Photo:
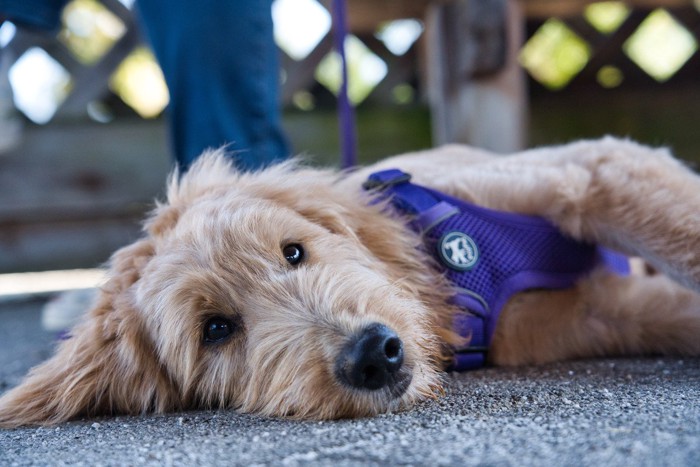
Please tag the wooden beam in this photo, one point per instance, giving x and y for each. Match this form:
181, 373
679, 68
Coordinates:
568, 8
364, 16
470, 102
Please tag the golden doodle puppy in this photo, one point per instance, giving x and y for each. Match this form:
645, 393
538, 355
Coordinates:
297, 292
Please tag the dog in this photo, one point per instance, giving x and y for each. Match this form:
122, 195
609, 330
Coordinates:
268, 292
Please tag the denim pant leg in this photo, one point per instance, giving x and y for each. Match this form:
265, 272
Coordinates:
221, 66
43, 14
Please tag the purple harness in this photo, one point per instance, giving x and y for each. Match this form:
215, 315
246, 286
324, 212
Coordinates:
489, 255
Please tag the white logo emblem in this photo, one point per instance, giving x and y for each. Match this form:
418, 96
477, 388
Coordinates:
458, 251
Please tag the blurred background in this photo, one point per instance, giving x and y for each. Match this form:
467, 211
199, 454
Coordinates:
83, 143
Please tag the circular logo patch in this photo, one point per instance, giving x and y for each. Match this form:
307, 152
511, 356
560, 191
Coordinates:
458, 251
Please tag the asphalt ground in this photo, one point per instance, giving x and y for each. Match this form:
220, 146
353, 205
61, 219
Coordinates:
626, 412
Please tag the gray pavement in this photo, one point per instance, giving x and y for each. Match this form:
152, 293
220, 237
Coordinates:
601, 412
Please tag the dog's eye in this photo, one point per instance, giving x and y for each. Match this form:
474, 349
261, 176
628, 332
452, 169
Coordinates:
293, 253
217, 329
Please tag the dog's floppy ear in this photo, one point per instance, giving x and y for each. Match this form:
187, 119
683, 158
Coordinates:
106, 366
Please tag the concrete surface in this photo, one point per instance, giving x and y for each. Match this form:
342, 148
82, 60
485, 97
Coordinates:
603, 412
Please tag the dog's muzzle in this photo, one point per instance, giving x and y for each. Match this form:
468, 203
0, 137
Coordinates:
372, 359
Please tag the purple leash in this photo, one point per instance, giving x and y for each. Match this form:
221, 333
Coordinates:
346, 113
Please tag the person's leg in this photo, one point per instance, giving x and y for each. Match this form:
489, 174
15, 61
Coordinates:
221, 66
42, 14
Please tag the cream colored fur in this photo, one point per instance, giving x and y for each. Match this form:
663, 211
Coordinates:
215, 248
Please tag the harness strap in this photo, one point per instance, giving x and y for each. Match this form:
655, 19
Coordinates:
488, 255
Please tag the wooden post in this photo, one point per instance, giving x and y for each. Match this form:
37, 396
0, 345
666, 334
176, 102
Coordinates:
476, 88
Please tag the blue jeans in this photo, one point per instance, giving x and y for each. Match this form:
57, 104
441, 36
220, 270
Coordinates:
221, 66
42, 14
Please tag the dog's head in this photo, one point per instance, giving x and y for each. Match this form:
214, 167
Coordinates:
278, 292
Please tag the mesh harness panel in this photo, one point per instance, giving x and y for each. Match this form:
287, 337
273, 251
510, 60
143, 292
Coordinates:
489, 255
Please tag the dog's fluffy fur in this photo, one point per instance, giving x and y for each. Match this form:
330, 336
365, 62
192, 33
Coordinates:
215, 249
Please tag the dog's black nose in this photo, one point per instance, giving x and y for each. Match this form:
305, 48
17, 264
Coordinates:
371, 358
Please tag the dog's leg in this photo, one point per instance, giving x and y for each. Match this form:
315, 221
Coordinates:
641, 201
605, 315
